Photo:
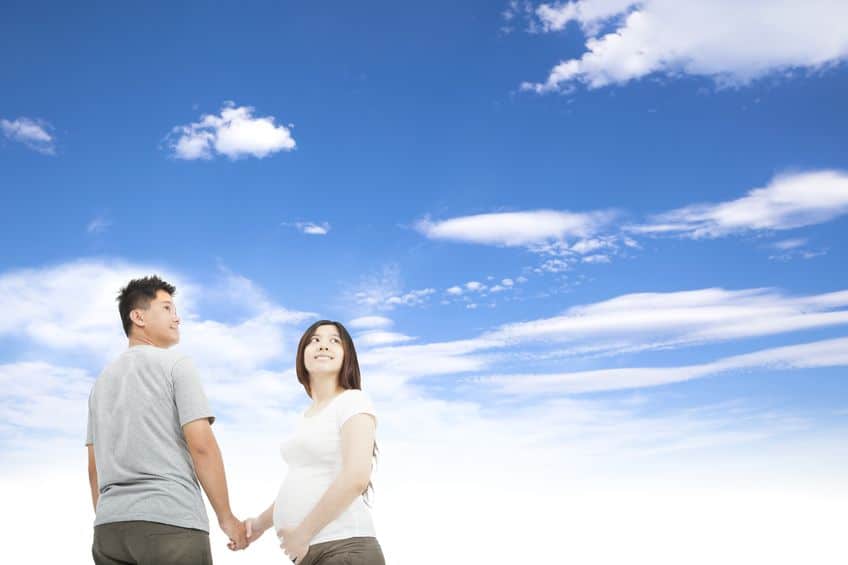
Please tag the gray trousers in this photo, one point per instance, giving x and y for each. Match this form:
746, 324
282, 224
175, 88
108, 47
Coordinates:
349, 551
149, 543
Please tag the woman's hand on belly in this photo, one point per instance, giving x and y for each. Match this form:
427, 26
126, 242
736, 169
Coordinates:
295, 543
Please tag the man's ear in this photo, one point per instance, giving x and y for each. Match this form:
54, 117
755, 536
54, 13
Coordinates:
137, 317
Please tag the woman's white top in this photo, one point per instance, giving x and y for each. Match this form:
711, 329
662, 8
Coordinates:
314, 458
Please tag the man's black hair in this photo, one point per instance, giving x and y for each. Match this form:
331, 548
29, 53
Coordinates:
138, 294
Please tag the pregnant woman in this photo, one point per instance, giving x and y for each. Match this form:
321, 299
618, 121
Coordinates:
320, 513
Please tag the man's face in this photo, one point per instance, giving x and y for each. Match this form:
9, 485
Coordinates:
160, 322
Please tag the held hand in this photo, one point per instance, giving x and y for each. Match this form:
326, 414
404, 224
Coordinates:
295, 544
253, 529
236, 532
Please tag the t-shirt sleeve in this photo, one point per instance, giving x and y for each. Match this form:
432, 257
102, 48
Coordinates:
351, 403
188, 393
89, 426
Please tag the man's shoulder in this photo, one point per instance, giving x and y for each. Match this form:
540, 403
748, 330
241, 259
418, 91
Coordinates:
164, 359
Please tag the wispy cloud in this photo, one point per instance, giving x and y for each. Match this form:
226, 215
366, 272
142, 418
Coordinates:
384, 291
627, 324
98, 225
411, 298
34, 134
310, 228
234, 133
825, 353
695, 38
375, 338
788, 201
370, 322
516, 229
561, 440
635, 322
38, 396
42, 306
790, 244
561, 238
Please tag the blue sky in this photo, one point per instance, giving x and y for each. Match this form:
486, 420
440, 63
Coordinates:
599, 229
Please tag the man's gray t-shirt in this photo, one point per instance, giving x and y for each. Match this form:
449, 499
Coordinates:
135, 416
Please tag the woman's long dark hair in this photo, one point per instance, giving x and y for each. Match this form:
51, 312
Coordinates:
348, 377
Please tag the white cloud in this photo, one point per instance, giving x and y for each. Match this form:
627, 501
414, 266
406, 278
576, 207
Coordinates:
562, 239
635, 322
553, 266
98, 225
370, 322
515, 229
825, 353
411, 298
789, 201
454, 290
311, 228
596, 259
378, 338
507, 282
728, 41
32, 133
384, 291
566, 458
643, 321
439, 358
789, 244
475, 286
234, 133
72, 308
591, 245
40, 396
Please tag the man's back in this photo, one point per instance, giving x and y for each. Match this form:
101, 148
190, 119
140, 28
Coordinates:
136, 412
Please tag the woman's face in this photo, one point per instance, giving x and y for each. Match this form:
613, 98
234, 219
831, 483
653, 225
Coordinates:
324, 352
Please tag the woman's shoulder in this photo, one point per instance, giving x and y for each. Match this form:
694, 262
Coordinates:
353, 397
351, 402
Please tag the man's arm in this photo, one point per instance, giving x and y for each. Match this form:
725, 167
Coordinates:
209, 466
92, 477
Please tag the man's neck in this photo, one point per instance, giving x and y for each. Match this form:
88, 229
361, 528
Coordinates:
141, 340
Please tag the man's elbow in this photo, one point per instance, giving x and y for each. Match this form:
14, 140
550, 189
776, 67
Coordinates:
199, 439
201, 450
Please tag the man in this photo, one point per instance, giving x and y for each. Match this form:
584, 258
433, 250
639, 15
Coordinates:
149, 441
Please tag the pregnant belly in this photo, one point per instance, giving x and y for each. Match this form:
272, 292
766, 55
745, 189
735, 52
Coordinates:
300, 492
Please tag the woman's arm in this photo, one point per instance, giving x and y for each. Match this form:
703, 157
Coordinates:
257, 526
357, 448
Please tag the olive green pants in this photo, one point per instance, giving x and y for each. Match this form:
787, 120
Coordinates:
350, 551
149, 543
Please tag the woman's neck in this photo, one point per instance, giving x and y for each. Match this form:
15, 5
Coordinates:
324, 387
